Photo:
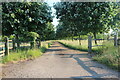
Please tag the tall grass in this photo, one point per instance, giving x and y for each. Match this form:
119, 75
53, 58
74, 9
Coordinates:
107, 54
25, 53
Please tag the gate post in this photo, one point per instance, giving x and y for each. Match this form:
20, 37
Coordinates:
89, 44
6, 46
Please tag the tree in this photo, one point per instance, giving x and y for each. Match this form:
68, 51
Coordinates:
49, 32
90, 17
62, 31
21, 18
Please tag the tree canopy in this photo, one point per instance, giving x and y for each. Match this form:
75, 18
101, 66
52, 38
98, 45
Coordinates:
20, 18
94, 17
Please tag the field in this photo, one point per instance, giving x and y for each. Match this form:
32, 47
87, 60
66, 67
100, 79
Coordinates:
107, 54
84, 44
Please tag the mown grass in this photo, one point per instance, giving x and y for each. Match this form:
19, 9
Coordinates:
25, 53
107, 54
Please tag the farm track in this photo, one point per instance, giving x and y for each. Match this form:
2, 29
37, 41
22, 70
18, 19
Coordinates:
59, 62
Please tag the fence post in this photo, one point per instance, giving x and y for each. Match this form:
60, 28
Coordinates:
118, 45
6, 46
89, 44
13, 44
115, 39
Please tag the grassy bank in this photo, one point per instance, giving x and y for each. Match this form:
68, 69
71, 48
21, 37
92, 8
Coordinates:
25, 53
107, 54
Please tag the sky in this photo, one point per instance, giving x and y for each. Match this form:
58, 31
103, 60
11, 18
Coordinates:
50, 3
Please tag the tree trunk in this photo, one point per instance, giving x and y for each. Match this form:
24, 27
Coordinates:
39, 43
18, 42
6, 46
79, 40
116, 39
32, 43
95, 37
13, 44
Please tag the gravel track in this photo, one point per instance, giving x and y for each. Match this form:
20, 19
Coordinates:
59, 62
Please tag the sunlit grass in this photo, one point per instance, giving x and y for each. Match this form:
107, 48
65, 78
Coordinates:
107, 54
26, 53
84, 44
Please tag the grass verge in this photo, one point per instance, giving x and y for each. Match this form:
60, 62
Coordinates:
107, 54
25, 53
73, 47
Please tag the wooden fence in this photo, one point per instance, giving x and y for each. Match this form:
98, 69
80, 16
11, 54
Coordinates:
116, 42
7, 45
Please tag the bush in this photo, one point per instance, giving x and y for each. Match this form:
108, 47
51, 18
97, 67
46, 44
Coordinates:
32, 36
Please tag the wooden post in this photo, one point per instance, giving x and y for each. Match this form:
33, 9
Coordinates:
13, 44
89, 44
115, 39
119, 46
31, 44
17, 41
39, 44
6, 46
118, 42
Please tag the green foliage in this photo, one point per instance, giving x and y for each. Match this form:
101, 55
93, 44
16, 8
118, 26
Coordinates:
77, 18
49, 32
4, 37
43, 49
109, 56
83, 36
33, 36
21, 17
12, 37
